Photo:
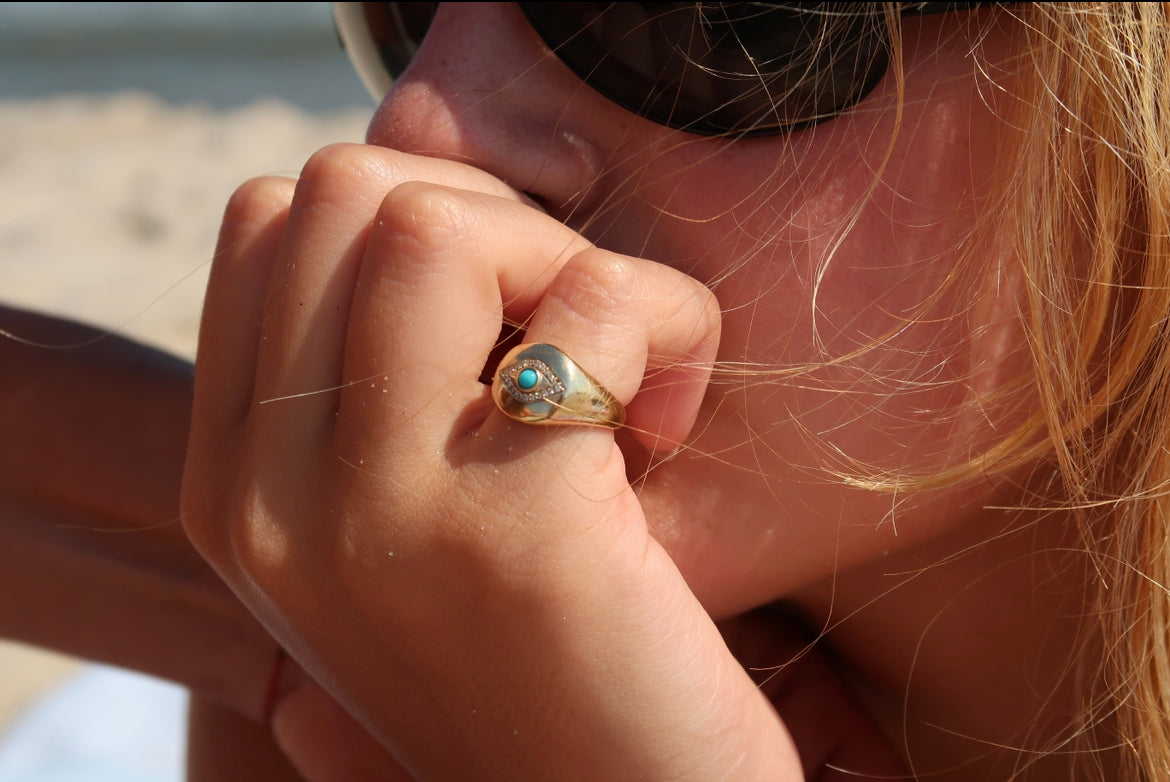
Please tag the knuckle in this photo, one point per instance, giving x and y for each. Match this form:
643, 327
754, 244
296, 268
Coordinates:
335, 160
708, 315
203, 507
430, 216
257, 544
235, 530
343, 173
198, 526
258, 200
593, 282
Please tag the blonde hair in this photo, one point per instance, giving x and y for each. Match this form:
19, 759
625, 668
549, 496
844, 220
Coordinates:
1083, 184
1087, 182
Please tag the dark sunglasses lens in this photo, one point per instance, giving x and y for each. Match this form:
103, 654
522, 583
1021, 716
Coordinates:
721, 68
709, 68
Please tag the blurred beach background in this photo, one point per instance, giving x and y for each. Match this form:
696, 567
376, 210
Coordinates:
124, 127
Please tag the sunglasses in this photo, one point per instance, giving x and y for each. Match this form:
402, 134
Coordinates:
715, 69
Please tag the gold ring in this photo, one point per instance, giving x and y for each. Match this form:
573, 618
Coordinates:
539, 384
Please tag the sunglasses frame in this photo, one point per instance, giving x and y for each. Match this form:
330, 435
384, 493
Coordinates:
368, 58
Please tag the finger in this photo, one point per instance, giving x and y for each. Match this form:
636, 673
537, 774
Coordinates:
326, 744
223, 745
836, 739
442, 269
229, 333
308, 312
229, 338
634, 324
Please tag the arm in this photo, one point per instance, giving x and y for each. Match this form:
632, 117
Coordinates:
93, 559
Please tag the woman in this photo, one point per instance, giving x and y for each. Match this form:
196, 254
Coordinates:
890, 346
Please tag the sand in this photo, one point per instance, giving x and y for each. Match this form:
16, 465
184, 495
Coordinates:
109, 213
111, 204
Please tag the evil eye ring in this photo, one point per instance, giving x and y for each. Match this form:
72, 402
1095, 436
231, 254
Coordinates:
538, 384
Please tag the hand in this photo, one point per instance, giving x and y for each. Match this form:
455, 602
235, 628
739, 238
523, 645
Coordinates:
482, 594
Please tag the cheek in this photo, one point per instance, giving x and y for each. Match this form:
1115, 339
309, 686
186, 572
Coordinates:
874, 382
864, 334
887, 337
853, 347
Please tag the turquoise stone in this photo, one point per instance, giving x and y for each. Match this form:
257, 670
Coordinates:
527, 379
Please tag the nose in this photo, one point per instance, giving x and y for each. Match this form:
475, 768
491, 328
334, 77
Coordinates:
484, 89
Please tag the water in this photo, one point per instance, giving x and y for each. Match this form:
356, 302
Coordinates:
218, 54
102, 725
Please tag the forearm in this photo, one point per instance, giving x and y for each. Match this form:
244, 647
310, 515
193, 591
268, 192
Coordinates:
93, 423
93, 559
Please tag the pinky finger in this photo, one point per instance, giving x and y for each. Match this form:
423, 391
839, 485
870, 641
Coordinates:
229, 334
326, 744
